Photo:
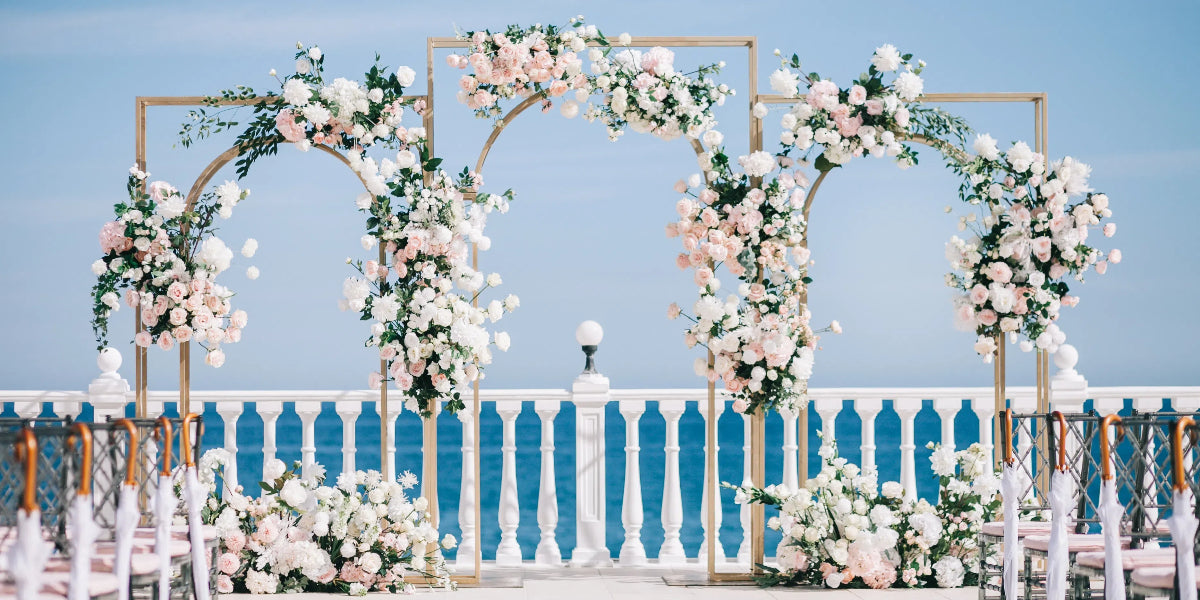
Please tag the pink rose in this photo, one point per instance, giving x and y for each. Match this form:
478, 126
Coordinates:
183, 333
143, 339
740, 406
233, 335
165, 341
177, 291
558, 88
228, 563
1114, 256
858, 95
999, 272
1057, 270
1110, 229
404, 381
238, 318
672, 230
374, 380
149, 318
417, 368
874, 107
902, 117
388, 352
734, 385
224, 584
213, 303
673, 311
848, 127
112, 238
286, 123
987, 317
757, 292
160, 190
703, 276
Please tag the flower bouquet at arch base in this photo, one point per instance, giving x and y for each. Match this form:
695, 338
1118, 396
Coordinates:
843, 529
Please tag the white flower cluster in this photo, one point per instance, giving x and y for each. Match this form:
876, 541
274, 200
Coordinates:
840, 529
760, 337
1029, 238
173, 286
870, 117
419, 297
301, 535
645, 92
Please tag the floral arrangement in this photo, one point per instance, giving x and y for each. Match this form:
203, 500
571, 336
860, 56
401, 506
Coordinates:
423, 222
875, 115
645, 92
842, 529
522, 62
165, 257
641, 90
299, 535
760, 338
1032, 234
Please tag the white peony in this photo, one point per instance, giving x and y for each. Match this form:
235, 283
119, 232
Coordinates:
943, 461
293, 493
171, 206
98, 267
758, 163
252, 273
405, 159
785, 82
949, 572
250, 247
215, 254
713, 138
370, 563
908, 86
258, 582
502, 341
985, 146
570, 109
273, 469
886, 58
296, 92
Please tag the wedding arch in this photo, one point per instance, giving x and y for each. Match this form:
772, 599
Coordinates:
645, 93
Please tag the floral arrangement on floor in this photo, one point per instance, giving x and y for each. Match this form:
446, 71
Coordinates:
300, 535
842, 529
641, 90
1031, 233
164, 255
759, 335
419, 293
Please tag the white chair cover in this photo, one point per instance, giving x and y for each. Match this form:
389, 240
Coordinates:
83, 532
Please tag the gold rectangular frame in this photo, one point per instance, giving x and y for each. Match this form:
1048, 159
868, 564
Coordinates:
757, 422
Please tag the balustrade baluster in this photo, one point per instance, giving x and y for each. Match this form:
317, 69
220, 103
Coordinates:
308, 413
269, 411
230, 412
868, 409
947, 409
710, 486
985, 410
671, 551
743, 555
465, 559
348, 410
907, 408
508, 552
633, 553
791, 451
547, 552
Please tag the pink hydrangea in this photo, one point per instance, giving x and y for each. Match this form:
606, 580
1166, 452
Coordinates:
112, 238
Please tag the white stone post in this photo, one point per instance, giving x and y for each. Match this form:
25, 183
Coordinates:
868, 409
633, 552
308, 413
465, 558
269, 411
590, 394
547, 552
671, 552
710, 486
791, 449
348, 410
230, 412
508, 552
828, 409
947, 409
907, 408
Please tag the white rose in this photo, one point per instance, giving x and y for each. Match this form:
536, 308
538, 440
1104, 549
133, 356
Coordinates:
502, 341
406, 76
624, 39
98, 267
713, 138
252, 273
293, 493
273, 469
405, 159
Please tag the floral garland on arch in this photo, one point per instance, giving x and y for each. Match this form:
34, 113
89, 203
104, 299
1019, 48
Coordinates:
844, 529
760, 337
299, 535
419, 298
166, 259
640, 90
1031, 236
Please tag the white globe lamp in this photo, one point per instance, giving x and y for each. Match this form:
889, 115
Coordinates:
589, 334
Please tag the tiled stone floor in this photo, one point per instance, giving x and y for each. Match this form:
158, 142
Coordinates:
627, 584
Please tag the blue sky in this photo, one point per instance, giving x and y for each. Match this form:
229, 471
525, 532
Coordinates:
584, 238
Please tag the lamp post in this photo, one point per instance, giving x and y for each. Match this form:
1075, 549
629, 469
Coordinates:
589, 392
589, 334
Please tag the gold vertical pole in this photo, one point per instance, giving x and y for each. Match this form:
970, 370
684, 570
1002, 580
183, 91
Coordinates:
185, 378
758, 469
139, 353
998, 397
711, 535
385, 432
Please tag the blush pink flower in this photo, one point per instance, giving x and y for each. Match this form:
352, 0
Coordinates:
857, 95
874, 107
112, 238
228, 563
1114, 256
987, 317
286, 123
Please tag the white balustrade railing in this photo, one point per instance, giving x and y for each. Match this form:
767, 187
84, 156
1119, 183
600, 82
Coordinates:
589, 396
